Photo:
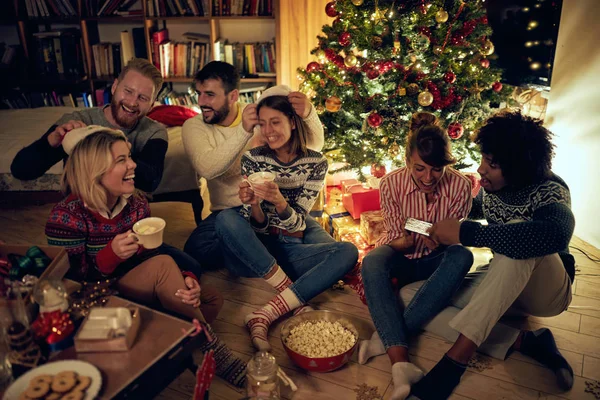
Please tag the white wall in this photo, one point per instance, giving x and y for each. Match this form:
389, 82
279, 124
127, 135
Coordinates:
574, 112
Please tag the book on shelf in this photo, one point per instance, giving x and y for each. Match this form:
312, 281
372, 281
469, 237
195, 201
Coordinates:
251, 59
33, 99
107, 59
50, 8
101, 8
228, 8
59, 53
179, 59
127, 47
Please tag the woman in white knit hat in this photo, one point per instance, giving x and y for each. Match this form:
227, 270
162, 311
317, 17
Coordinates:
266, 238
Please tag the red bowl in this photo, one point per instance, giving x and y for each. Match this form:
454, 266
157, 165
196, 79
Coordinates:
318, 364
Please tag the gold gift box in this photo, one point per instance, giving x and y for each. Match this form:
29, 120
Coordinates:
371, 226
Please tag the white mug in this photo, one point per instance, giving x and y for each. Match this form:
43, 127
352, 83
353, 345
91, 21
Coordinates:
148, 232
258, 178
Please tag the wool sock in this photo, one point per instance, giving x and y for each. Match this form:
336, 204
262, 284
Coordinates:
439, 383
540, 346
258, 322
229, 367
404, 375
279, 280
370, 348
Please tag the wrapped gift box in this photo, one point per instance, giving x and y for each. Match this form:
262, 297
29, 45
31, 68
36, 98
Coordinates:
371, 226
361, 200
317, 208
350, 186
333, 195
108, 329
344, 225
333, 211
355, 238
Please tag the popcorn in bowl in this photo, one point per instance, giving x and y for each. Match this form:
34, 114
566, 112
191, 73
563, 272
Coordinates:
318, 339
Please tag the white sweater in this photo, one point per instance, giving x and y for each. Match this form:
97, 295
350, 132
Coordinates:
215, 152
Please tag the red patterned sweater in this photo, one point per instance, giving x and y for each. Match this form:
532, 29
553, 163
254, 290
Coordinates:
87, 236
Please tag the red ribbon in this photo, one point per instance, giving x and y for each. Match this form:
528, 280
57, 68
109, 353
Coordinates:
53, 326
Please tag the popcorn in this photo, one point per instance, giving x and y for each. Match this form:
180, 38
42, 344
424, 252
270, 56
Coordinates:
318, 339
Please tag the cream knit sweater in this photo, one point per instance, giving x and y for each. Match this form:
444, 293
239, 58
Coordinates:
215, 152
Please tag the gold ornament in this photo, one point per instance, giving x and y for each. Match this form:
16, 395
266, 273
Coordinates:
394, 150
357, 2
412, 89
385, 140
425, 98
333, 104
437, 50
376, 41
441, 16
401, 91
488, 48
320, 55
320, 109
350, 60
413, 58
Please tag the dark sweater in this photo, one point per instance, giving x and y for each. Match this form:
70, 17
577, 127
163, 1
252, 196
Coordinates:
148, 148
546, 226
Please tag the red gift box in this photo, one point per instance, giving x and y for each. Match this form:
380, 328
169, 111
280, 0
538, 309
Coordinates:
361, 200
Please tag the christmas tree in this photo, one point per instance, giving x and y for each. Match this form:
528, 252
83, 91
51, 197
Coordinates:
381, 61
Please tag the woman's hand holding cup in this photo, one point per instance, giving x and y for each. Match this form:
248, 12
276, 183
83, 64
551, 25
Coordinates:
246, 193
269, 191
124, 245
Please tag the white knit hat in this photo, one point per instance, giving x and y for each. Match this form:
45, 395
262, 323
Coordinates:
279, 90
76, 135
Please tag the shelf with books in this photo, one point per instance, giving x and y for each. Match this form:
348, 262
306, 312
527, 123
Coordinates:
243, 17
117, 19
243, 80
183, 20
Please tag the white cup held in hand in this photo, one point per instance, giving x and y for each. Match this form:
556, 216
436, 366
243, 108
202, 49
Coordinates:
258, 178
148, 232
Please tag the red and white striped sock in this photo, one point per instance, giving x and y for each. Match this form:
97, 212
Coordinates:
258, 322
279, 280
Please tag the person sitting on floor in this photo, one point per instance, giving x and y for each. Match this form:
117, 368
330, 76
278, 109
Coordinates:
94, 225
133, 94
426, 189
529, 227
215, 142
265, 239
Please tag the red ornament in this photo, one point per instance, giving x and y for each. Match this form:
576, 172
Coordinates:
344, 38
450, 77
484, 20
330, 54
336, 23
366, 67
330, 9
373, 73
374, 120
339, 61
455, 130
497, 87
378, 170
313, 66
419, 75
484, 62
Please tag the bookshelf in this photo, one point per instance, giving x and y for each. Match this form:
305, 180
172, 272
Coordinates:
100, 31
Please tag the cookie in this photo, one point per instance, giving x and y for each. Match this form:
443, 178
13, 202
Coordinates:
53, 396
73, 395
71, 374
37, 390
84, 382
63, 383
41, 378
23, 396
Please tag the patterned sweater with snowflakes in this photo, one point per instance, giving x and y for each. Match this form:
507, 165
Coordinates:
299, 181
529, 222
87, 236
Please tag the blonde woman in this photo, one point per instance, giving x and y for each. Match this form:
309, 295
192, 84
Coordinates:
94, 224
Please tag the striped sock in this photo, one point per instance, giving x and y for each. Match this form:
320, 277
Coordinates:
302, 309
258, 322
279, 280
229, 367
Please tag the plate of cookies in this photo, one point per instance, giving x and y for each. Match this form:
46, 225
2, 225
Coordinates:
65, 380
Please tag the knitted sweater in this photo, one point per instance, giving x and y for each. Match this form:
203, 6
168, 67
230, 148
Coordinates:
299, 181
87, 236
216, 151
148, 148
545, 225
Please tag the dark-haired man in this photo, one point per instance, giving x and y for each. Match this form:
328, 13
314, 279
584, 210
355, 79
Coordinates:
133, 94
215, 141
529, 226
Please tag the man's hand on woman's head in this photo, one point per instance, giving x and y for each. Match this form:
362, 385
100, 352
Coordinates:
300, 104
249, 117
56, 137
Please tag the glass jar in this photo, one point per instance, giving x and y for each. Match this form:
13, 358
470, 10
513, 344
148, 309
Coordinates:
262, 382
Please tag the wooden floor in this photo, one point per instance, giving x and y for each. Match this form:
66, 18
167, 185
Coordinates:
577, 331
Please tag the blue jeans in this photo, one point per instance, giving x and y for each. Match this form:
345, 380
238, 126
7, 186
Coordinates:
205, 246
444, 270
313, 267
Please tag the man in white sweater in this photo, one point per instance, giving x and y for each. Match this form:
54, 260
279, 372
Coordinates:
215, 141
